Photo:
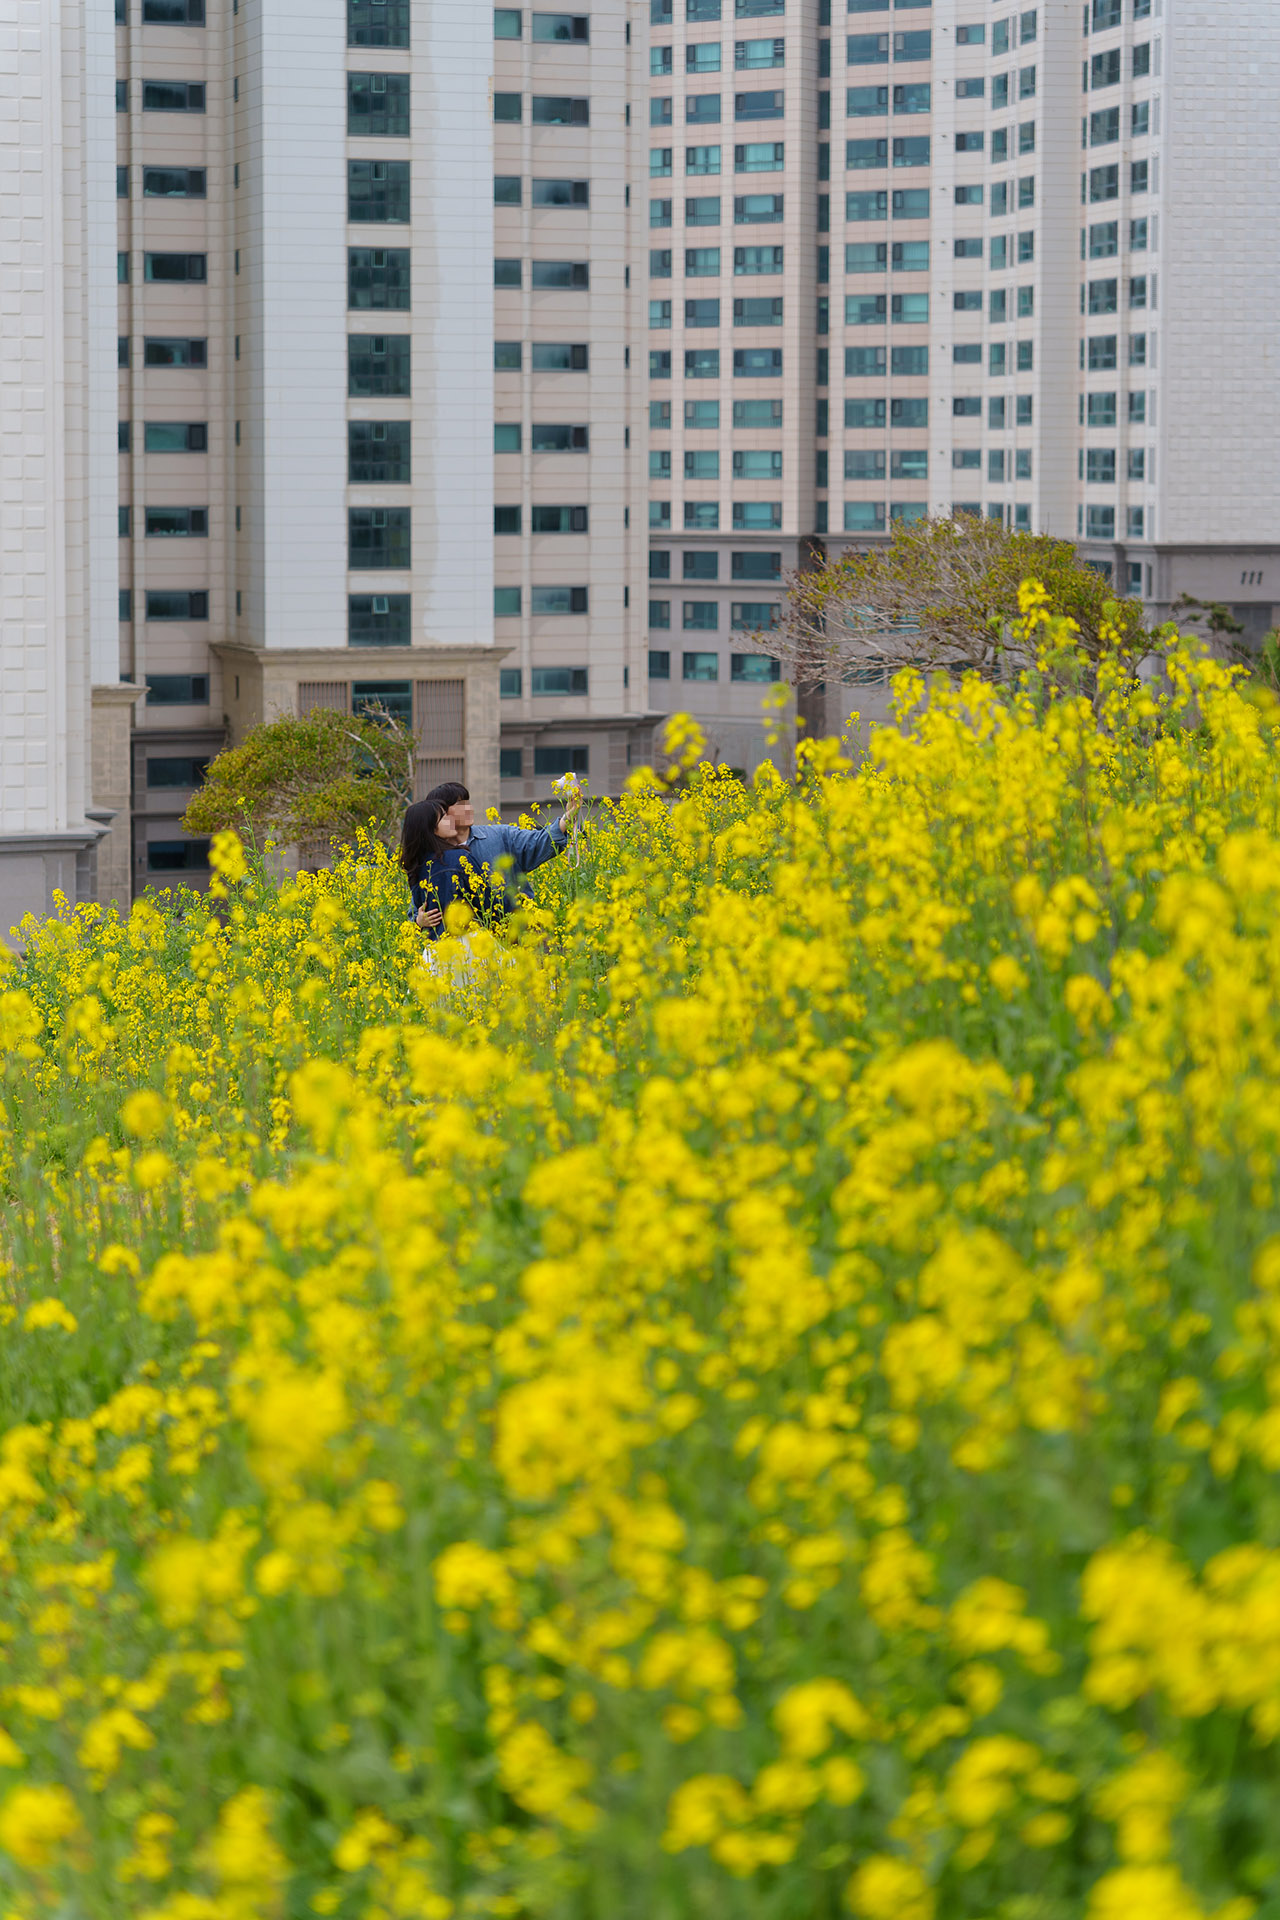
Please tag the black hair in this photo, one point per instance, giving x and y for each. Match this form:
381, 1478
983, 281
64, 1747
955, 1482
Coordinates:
418, 841
448, 794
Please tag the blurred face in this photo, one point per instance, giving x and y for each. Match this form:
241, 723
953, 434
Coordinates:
456, 823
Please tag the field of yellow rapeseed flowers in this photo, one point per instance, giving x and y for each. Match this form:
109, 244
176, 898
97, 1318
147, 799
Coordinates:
759, 1400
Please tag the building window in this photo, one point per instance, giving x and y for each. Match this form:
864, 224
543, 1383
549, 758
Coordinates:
552, 437
559, 356
168, 268
177, 604
866, 103
507, 190
1104, 240
178, 772
177, 856
757, 516
660, 165
757, 209
1104, 183
917, 45
763, 311
659, 313
917, 97
378, 279
861, 463
659, 615
506, 603
560, 110
508, 108
172, 436
378, 620
173, 96
554, 762
122, 96
660, 363
863, 516
174, 183
702, 263
550, 519
911, 151
1137, 409
1139, 176
175, 522
562, 275
510, 683
660, 516
378, 537
757, 463
510, 763
753, 616
376, 697
702, 516
557, 601
700, 666
561, 193
378, 365
758, 106
755, 566
702, 110
558, 682
702, 464
659, 213
754, 669
562, 26
508, 23
377, 23
1100, 523
378, 104
378, 452
700, 616
1104, 127
378, 192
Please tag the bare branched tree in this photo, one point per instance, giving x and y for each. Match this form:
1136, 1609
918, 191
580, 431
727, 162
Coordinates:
942, 593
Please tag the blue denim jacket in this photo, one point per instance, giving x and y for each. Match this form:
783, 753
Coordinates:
464, 873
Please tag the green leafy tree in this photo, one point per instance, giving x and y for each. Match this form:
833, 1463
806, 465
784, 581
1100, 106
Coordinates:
312, 781
943, 593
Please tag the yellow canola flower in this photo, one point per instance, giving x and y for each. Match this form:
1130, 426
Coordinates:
37, 1824
49, 1313
886, 1888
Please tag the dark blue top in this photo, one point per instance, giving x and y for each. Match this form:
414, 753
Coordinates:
466, 873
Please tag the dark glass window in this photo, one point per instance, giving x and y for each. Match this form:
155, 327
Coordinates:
378, 536
377, 23
177, 689
182, 771
378, 103
378, 620
378, 365
172, 96
378, 279
378, 190
378, 453
181, 267
174, 183
176, 603
158, 351
378, 697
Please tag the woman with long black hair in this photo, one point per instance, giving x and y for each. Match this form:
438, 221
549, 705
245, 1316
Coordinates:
448, 855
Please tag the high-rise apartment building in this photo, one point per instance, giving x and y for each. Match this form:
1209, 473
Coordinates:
63, 712
569, 534
305, 382
913, 259
496, 365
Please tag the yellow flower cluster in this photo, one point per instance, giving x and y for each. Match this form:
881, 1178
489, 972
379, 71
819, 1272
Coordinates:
755, 1394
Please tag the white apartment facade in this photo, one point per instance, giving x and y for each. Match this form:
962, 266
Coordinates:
913, 259
61, 699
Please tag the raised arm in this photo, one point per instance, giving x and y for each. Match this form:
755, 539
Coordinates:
531, 847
